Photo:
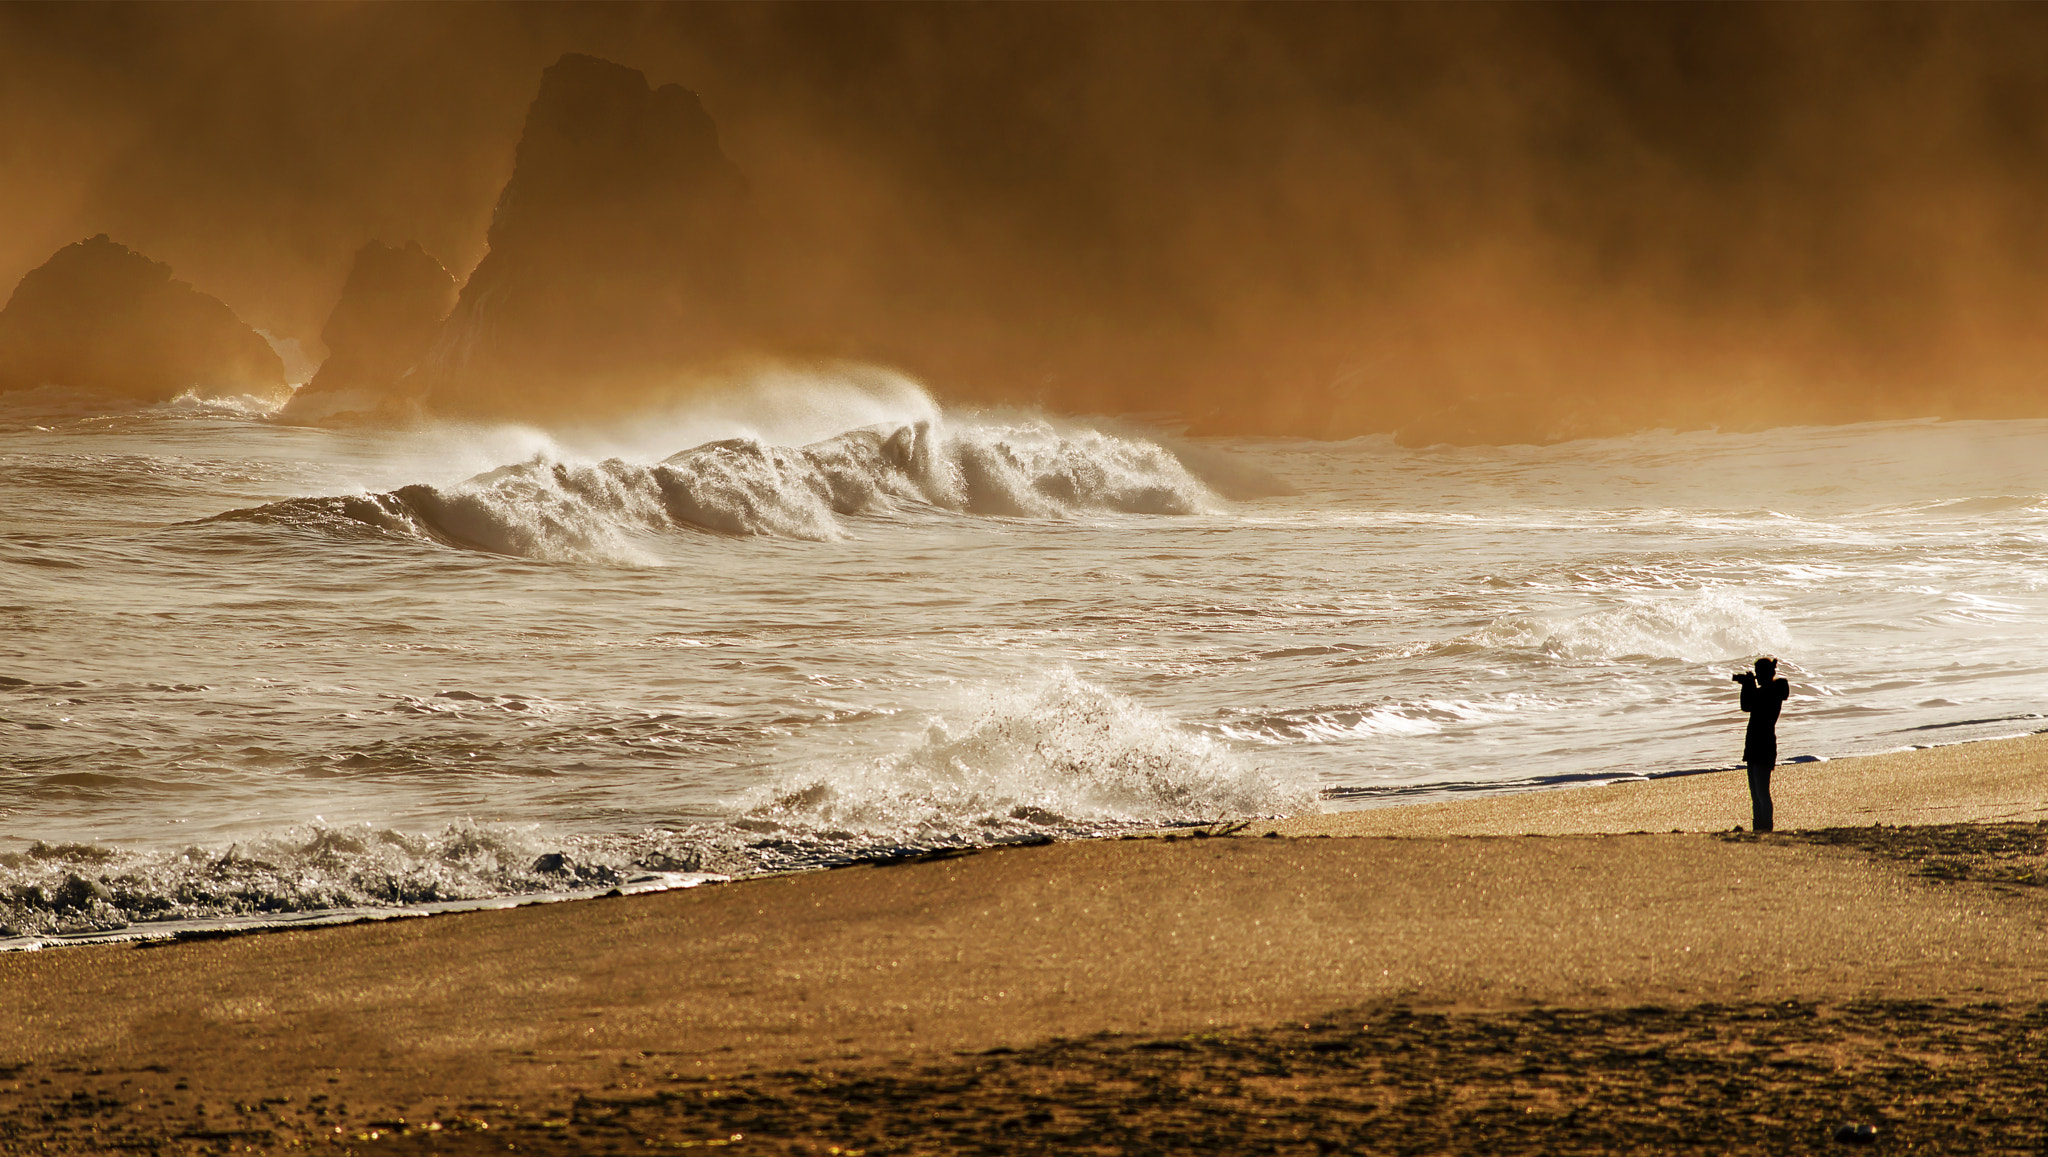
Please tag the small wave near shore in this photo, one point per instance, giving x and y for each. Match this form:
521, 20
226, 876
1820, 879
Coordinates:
1053, 757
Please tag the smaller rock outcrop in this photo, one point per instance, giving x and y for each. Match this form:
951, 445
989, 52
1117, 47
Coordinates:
100, 317
390, 309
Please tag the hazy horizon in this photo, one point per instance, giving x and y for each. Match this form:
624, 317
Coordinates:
1480, 222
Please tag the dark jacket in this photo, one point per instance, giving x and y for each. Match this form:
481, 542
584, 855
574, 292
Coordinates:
1763, 703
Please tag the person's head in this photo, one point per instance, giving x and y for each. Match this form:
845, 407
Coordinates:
1766, 668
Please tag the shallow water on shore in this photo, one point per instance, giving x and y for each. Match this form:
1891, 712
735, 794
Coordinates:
252, 667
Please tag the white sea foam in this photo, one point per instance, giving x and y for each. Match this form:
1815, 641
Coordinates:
1705, 626
1394, 719
1060, 753
77, 889
1058, 756
604, 511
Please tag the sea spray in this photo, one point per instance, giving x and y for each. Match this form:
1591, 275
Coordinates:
1061, 754
611, 511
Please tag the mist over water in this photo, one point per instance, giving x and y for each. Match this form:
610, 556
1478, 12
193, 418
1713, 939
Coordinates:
616, 511
255, 669
1469, 223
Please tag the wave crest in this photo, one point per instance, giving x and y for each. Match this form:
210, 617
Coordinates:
606, 511
1064, 755
83, 889
1708, 627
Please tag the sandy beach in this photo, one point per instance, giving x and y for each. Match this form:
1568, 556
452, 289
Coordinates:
2001, 781
1417, 979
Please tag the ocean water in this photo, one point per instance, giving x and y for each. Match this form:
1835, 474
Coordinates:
251, 670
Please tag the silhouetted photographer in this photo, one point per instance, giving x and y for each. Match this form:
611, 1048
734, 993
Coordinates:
1763, 696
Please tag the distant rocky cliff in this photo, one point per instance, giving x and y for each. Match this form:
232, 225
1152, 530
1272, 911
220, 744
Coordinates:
100, 317
615, 252
390, 311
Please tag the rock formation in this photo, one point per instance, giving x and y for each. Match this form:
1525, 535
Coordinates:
614, 252
100, 317
391, 307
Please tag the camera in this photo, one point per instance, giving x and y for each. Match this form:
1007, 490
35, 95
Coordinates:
1746, 678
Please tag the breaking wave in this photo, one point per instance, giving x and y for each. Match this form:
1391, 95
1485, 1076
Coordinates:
612, 511
62, 408
1342, 722
87, 889
1707, 627
1063, 756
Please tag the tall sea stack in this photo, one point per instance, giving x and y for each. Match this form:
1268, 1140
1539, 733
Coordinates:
390, 311
615, 253
100, 317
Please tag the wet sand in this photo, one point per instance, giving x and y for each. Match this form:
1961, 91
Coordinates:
1436, 991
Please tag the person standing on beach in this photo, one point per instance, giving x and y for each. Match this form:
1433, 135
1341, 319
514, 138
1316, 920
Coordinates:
1763, 696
